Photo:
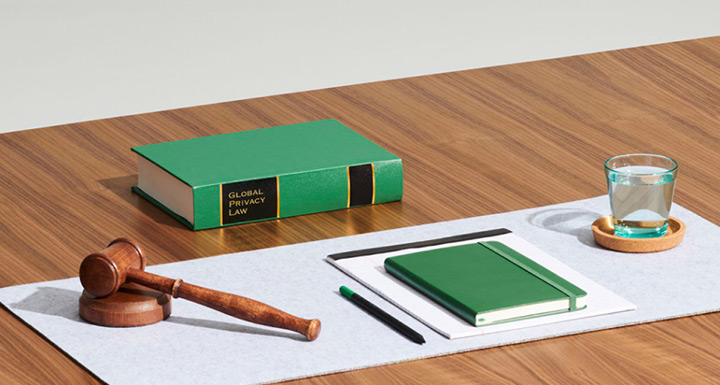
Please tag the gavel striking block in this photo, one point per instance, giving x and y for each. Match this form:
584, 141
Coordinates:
123, 261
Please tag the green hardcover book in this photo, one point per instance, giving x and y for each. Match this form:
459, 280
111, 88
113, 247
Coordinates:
487, 282
267, 173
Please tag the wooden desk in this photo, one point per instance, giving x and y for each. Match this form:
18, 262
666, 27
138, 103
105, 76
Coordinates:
474, 142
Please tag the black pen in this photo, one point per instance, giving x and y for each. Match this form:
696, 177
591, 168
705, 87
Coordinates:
382, 316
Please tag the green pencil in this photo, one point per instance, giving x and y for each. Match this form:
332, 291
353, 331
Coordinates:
382, 315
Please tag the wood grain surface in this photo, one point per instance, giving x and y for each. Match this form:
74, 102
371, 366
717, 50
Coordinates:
473, 143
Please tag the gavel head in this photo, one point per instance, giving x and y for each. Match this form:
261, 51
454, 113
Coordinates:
101, 274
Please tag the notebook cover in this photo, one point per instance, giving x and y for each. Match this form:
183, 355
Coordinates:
474, 279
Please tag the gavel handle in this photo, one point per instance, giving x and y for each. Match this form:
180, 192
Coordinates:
230, 304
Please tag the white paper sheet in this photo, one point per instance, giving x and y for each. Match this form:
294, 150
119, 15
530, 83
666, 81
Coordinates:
370, 272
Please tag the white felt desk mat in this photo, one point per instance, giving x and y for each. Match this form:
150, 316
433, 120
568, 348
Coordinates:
198, 345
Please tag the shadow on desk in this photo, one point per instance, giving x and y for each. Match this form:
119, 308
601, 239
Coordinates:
234, 327
58, 302
51, 301
575, 222
120, 186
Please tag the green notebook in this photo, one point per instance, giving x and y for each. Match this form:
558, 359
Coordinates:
487, 282
267, 173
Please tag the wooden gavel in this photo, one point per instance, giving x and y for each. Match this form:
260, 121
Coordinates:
101, 274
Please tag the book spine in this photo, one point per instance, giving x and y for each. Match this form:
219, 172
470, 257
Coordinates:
297, 194
431, 291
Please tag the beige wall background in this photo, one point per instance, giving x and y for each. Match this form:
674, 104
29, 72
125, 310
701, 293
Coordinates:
71, 61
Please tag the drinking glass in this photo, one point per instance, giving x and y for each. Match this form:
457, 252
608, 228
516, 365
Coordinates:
641, 188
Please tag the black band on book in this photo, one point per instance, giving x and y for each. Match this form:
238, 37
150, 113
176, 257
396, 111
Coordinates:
361, 185
249, 200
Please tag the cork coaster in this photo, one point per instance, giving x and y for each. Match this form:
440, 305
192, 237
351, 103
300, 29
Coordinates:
604, 234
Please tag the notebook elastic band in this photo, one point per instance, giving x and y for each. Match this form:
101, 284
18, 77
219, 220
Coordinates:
510, 258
